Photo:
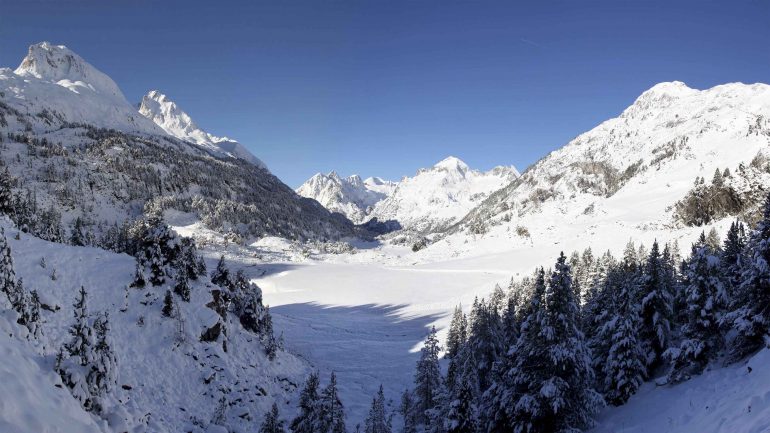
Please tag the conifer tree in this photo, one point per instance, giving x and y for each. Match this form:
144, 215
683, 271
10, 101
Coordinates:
308, 420
377, 421
102, 376
704, 287
656, 301
461, 416
332, 412
732, 258
427, 377
168, 304
457, 333
518, 370
573, 401
182, 286
484, 345
7, 274
408, 411
6, 195
221, 275
273, 422
751, 315
624, 369
77, 237
138, 281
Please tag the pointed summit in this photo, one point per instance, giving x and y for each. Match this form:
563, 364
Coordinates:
452, 163
60, 65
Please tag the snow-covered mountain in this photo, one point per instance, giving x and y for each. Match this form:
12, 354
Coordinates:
627, 174
166, 114
57, 85
65, 124
349, 196
438, 196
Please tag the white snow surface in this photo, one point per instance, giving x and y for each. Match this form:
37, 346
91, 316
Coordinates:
731, 399
162, 365
165, 113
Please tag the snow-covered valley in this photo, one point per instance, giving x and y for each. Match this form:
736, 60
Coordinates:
91, 186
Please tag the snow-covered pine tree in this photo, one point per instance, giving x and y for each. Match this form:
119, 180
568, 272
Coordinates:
461, 415
77, 237
497, 298
81, 335
168, 305
732, 258
182, 286
17, 298
457, 332
308, 420
102, 376
247, 304
189, 262
6, 195
156, 262
138, 281
77, 356
7, 273
511, 403
427, 378
32, 314
656, 301
378, 421
408, 410
601, 308
704, 287
569, 401
624, 369
273, 422
510, 323
331, 410
751, 309
221, 275
479, 353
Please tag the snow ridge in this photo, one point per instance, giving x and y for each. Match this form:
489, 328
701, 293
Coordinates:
166, 114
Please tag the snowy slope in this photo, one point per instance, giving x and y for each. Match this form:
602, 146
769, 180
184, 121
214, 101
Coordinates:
31, 401
168, 380
437, 196
166, 114
349, 196
731, 399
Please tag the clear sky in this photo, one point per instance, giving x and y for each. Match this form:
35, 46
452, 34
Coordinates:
386, 87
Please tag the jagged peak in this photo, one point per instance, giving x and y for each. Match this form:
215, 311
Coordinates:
59, 64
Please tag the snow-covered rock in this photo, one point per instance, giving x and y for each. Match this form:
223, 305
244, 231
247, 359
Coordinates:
438, 196
349, 196
166, 114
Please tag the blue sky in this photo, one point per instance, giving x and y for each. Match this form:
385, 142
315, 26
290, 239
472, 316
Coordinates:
386, 87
